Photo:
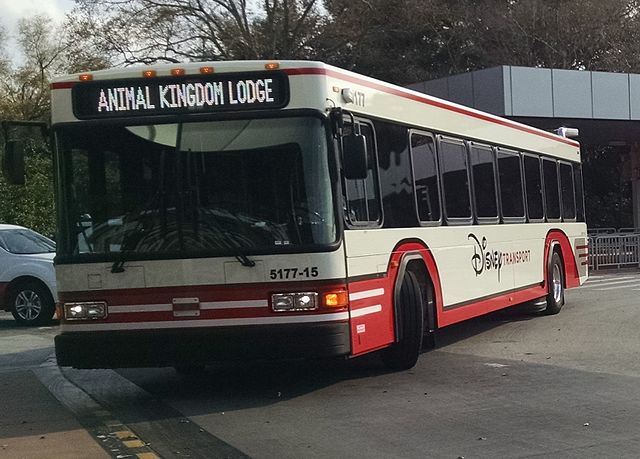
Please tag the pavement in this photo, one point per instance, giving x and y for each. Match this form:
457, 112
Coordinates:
33, 422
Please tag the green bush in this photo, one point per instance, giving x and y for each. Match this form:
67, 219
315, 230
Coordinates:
33, 204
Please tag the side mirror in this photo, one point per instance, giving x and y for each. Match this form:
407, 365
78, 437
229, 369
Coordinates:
354, 156
13, 162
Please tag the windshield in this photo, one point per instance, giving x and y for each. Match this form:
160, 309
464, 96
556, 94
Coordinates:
196, 189
25, 242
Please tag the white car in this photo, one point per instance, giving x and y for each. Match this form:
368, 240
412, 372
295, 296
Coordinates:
27, 276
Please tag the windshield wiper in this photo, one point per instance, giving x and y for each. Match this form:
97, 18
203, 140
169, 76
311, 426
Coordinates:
229, 241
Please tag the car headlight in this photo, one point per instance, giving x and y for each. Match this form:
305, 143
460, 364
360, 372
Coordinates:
85, 311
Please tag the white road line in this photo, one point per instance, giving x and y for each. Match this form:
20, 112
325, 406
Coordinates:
607, 284
593, 280
615, 287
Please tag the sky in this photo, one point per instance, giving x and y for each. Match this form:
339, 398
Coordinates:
13, 10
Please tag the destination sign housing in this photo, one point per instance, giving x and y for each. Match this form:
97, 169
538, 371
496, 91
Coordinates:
191, 94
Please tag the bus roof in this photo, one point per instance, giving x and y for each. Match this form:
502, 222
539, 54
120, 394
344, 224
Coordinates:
389, 101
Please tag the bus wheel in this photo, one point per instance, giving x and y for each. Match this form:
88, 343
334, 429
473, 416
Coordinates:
555, 297
404, 354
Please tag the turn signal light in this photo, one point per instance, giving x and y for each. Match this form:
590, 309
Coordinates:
271, 66
149, 73
177, 72
206, 70
85, 77
337, 299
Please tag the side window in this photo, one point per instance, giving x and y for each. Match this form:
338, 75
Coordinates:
484, 182
577, 181
510, 178
425, 177
533, 184
363, 196
455, 179
567, 195
551, 195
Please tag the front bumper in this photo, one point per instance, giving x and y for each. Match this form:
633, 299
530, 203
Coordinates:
183, 347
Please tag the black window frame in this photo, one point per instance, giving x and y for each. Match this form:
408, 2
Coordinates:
440, 220
484, 220
572, 189
579, 192
454, 221
540, 175
358, 121
511, 219
544, 184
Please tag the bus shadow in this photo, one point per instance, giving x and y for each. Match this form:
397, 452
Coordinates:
228, 387
473, 327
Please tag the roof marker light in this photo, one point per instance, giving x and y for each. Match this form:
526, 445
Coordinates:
206, 70
85, 77
149, 73
272, 66
177, 72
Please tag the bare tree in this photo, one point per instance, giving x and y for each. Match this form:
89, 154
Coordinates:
147, 31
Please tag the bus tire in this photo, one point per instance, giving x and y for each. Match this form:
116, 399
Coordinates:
403, 354
555, 297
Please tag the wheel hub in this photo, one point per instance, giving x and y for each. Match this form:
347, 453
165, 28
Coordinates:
28, 305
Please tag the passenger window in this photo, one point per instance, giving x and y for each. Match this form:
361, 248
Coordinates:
425, 177
533, 182
455, 179
577, 181
510, 177
567, 192
551, 195
484, 182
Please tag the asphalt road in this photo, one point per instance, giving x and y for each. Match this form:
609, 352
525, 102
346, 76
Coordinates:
505, 385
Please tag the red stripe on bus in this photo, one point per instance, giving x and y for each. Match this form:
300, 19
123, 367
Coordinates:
63, 85
204, 293
583, 255
584, 263
582, 247
469, 311
426, 100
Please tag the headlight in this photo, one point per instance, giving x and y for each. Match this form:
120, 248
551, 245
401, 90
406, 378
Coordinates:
85, 311
305, 301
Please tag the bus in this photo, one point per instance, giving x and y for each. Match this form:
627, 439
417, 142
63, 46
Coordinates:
291, 209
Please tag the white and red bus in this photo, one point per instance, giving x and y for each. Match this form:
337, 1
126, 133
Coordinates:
234, 210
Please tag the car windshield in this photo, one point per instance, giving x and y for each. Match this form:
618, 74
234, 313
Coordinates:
25, 242
196, 189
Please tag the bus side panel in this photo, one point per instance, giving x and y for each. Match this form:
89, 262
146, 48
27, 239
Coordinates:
571, 274
372, 301
371, 314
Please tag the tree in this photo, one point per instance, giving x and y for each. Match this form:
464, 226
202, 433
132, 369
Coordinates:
148, 31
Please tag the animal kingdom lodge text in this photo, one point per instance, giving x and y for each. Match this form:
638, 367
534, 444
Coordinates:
186, 95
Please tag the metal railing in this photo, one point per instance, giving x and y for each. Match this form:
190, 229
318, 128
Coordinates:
614, 250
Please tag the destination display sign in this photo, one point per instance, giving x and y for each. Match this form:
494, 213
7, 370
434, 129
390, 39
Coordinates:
170, 96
